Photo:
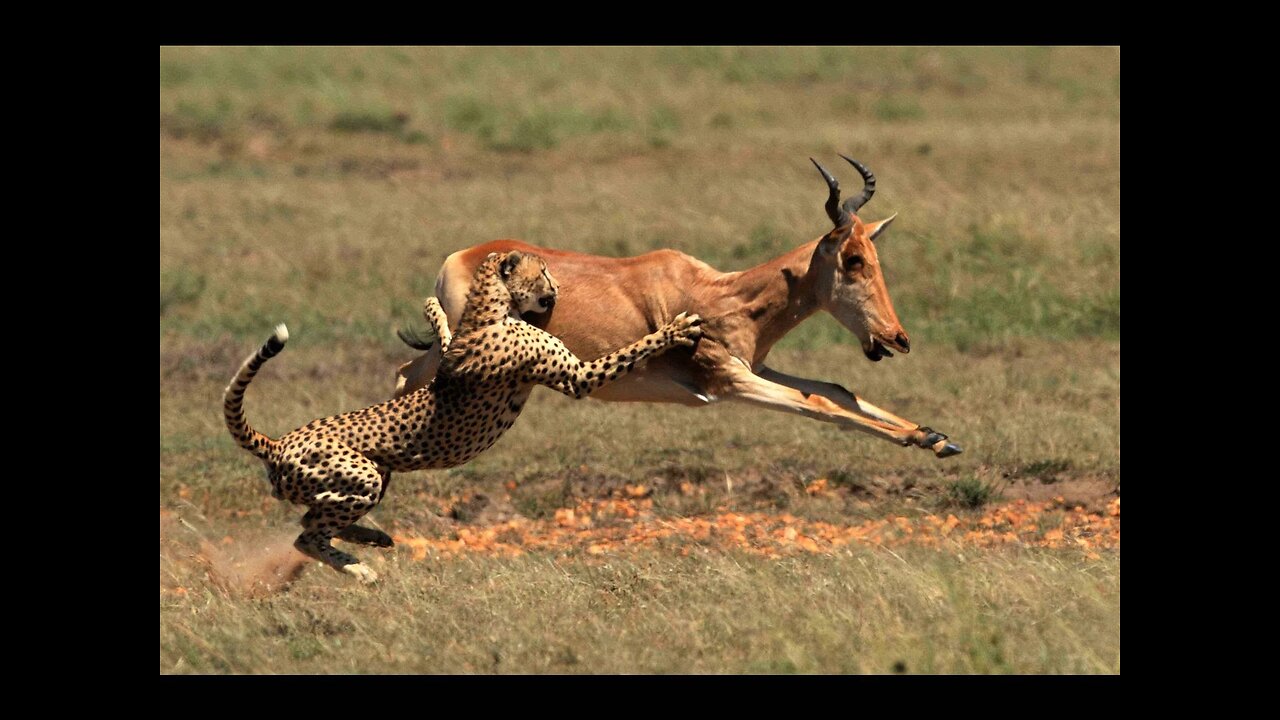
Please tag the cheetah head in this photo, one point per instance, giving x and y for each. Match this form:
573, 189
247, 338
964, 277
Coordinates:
531, 285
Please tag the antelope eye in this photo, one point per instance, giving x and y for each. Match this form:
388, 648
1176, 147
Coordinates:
853, 262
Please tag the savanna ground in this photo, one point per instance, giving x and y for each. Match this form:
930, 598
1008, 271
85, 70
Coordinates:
323, 187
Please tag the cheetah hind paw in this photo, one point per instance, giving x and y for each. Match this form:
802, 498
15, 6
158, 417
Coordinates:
361, 572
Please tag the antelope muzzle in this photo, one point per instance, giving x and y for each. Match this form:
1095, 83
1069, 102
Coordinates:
880, 347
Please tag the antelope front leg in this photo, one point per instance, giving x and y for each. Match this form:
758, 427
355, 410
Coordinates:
837, 394
829, 403
936, 441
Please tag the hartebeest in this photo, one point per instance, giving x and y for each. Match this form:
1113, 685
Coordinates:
606, 302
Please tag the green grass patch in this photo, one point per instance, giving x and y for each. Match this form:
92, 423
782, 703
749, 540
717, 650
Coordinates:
508, 129
369, 121
180, 287
541, 131
721, 121
971, 492
467, 114
1046, 470
894, 109
764, 241
174, 74
203, 122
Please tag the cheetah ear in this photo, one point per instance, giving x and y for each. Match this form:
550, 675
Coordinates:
509, 263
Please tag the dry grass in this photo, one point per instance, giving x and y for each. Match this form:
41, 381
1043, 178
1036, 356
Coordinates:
860, 610
322, 187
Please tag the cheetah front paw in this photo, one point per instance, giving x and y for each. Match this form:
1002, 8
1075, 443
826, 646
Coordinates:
685, 329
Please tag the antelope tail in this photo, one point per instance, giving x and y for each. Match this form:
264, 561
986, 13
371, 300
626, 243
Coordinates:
233, 397
410, 337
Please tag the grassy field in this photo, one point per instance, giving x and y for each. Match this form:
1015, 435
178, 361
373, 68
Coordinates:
323, 187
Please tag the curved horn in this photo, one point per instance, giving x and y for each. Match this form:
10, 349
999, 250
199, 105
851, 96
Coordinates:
838, 214
869, 186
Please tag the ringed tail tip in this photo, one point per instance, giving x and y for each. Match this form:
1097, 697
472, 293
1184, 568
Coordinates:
282, 334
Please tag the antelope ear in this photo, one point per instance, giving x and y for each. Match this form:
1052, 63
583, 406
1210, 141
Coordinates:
874, 229
509, 263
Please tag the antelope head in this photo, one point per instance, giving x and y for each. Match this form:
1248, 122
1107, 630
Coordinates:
847, 273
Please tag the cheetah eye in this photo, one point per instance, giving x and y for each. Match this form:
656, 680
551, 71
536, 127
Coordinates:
853, 263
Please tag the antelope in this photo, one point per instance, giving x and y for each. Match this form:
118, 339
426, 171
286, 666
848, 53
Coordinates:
607, 302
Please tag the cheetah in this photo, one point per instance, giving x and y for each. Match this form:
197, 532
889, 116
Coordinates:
340, 466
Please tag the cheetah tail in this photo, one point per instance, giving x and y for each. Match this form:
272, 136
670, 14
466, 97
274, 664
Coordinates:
233, 397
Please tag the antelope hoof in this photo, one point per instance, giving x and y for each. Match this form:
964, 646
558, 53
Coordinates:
931, 437
947, 449
938, 443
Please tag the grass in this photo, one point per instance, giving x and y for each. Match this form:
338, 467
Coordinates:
522, 130
892, 109
180, 287
652, 612
368, 121
971, 492
1046, 470
323, 187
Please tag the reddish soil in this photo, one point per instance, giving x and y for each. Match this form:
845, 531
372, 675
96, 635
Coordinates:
681, 511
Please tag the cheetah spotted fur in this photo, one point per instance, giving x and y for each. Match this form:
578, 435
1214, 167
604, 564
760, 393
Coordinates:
340, 466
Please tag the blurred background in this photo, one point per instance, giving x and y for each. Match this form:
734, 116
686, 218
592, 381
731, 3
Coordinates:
355, 171
323, 187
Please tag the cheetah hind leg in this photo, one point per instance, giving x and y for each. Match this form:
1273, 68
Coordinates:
316, 542
361, 535
333, 512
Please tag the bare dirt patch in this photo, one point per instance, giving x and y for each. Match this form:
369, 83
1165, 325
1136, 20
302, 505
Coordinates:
1093, 492
257, 564
604, 526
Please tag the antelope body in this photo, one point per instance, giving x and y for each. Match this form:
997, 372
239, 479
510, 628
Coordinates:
606, 302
